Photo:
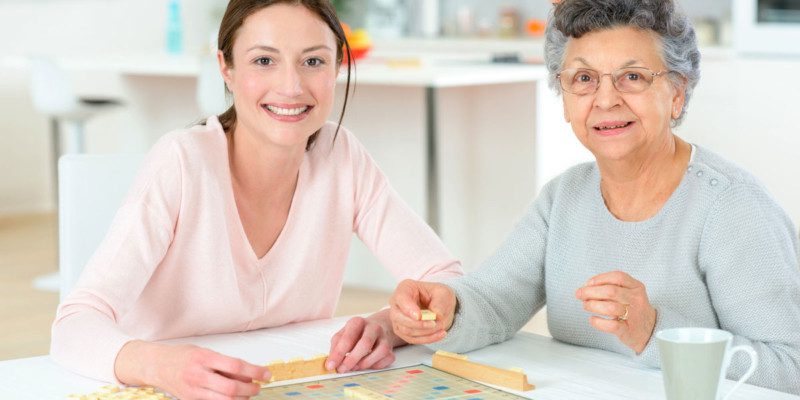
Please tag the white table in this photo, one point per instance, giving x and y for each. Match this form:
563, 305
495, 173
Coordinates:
430, 74
499, 127
558, 370
452, 136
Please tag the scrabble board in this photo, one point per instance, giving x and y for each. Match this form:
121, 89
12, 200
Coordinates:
419, 382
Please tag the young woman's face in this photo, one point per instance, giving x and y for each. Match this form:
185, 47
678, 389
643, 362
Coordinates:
611, 123
283, 74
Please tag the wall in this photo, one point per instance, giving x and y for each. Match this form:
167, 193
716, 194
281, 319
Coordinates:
746, 110
486, 12
742, 109
24, 146
66, 28
73, 29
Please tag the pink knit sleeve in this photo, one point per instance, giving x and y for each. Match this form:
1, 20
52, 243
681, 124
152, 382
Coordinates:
398, 237
85, 335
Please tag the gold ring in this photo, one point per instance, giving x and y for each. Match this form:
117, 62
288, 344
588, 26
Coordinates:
624, 317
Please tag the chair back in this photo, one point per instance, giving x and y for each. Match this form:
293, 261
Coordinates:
51, 90
91, 190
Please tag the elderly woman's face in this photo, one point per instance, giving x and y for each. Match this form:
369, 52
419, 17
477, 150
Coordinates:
616, 124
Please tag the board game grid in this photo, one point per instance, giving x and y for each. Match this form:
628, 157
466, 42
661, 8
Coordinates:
418, 382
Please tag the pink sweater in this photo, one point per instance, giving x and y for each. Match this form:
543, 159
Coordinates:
176, 261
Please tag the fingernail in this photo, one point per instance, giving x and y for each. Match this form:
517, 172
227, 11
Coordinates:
430, 324
266, 375
329, 366
343, 369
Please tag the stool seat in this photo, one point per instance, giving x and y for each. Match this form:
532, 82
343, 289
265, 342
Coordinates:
94, 101
83, 109
53, 95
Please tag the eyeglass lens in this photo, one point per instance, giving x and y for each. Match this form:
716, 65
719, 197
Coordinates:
586, 81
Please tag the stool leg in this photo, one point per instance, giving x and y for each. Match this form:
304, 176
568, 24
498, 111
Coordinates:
55, 144
74, 136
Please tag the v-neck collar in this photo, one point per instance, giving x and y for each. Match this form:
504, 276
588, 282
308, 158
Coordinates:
233, 210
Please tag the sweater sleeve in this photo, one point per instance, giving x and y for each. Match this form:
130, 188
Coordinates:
749, 254
507, 290
86, 337
397, 236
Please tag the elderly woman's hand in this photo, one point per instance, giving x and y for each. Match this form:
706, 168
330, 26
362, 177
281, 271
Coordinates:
406, 304
623, 300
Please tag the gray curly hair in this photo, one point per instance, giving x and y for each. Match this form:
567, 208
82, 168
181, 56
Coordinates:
575, 18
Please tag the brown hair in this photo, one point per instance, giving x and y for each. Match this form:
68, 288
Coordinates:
235, 14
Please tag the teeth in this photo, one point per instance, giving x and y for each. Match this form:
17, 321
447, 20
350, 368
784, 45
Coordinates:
287, 111
613, 127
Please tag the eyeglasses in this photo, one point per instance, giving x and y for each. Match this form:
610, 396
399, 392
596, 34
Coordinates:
583, 81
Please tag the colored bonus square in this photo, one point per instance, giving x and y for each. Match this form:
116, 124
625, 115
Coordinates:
314, 387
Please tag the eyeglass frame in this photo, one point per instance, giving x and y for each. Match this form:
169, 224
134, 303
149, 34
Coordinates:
613, 81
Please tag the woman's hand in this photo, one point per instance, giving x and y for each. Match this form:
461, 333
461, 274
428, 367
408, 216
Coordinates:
623, 300
188, 372
363, 343
407, 301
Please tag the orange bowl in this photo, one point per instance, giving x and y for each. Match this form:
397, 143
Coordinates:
346, 28
535, 27
358, 53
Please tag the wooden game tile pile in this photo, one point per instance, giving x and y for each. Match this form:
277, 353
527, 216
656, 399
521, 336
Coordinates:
112, 392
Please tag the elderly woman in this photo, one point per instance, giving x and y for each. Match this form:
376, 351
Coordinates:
656, 233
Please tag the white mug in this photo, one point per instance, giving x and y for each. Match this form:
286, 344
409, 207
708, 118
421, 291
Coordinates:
694, 361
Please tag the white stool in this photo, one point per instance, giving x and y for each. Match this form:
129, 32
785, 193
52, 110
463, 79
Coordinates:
52, 95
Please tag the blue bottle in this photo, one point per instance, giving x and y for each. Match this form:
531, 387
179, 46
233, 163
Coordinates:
174, 28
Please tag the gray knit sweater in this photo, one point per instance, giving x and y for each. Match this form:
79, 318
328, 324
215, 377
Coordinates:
720, 253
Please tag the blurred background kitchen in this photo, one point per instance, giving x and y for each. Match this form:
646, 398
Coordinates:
451, 100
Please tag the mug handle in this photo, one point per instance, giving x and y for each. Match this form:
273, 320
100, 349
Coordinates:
753, 364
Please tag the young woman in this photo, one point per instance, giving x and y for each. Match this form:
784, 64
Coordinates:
245, 222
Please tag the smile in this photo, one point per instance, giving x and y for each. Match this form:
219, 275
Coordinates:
286, 111
608, 127
612, 128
